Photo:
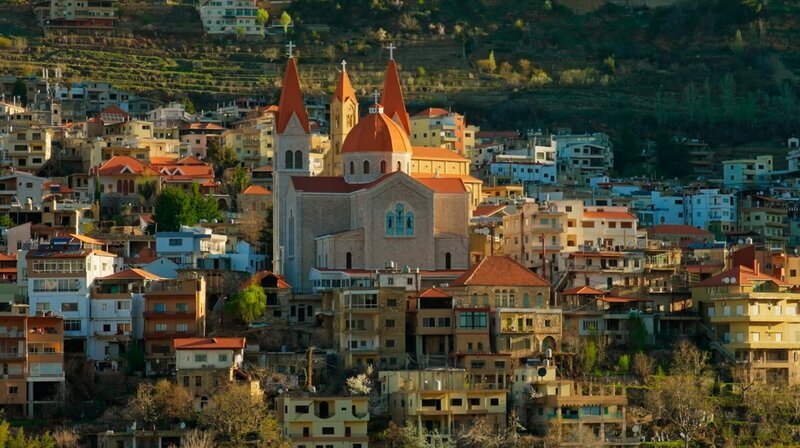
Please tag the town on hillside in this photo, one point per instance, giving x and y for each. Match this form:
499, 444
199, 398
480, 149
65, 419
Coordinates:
347, 271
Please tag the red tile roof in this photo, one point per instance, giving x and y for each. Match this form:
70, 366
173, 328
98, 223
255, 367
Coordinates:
117, 164
394, 106
499, 271
432, 112
487, 210
443, 185
582, 291
608, 215
739, 275
677, 229
291, 101
132, 274
256, 190
204, 126
209, 343
4, 257
434, 293
344, 90
426, 153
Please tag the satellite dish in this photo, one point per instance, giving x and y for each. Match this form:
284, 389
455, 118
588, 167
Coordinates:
726, 280
733, 280
541, 371
741, 241
635, 429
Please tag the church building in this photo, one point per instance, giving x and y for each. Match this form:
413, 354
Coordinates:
380, 201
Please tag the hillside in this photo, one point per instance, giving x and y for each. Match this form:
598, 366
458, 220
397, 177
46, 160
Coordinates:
680, 68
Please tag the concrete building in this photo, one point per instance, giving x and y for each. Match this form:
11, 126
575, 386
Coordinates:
712, 210
91, 14
29, 148
436, 127
232, 17
186, 247
172, 309
206, 365
746, 174
32, 358
339, 422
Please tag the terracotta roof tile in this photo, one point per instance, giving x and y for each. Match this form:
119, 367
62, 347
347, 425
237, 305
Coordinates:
256, 190
132, 274
434, 293
117, 164
499, 271
487, 210
582, 291
607, 215
392, 100
209, 343
432, 112
739, 275
260, 275
443, 185
291, 101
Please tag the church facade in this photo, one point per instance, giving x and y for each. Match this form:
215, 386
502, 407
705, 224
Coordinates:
371, 208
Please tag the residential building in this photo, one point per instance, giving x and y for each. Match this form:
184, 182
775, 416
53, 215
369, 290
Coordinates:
32, 358
232, 17
767, 216
579, 156
206, 365
436, 127
60, 275
91, 14
441, 403
605, 269
29, 148
314, 421
21, 190
523, 172
172, 309
369, 326
678, 235
199, 136
656, 208
711, 210
183, 173
117, 315
254, 199
186, 247
746, 174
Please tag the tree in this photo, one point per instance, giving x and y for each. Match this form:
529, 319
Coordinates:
583, 436
681, 403
221, 157
672, 157
235, 414
20, 90
204, 207
492, 63
627, 152
689, 360
286, 20
66, 438
197, 439
251, 303
235, 184
643, 366
265, 237
147, 189
172, 208
483, 433
738, 42
188, 104
262, 16
4, 433
6, 221
360, 384
637, 333
161, 403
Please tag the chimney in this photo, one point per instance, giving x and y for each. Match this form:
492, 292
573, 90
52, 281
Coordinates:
757, 267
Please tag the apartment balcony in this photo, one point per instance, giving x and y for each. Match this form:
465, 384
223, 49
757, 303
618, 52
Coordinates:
168, 335
122, 337
12, 356
754, 318
12, 335
611, 417
111, 296
170, 315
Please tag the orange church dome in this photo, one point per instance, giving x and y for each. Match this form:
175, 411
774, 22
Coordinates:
377, 133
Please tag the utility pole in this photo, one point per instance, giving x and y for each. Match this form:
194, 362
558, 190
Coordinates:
309, 368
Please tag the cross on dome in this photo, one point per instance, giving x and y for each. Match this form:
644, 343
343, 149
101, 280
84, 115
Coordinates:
290, 46
376, 107
391, 49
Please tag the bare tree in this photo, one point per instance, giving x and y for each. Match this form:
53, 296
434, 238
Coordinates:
643, 366
235, 413
743, 378
197, 439
160, 403
66, 438
682, 403
584, 437
689, 360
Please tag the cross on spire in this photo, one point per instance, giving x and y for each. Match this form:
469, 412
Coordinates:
290, 46
391, 49
344, 65
376, 95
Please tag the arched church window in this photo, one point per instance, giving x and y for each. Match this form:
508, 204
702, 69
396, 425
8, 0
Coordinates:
383, 167
447, 261
119, 186
389, 223
399, 166
352, 168
288, 160
399, 219
410, 224
349, 260
526, 300
366, 167
298, 160
539, 300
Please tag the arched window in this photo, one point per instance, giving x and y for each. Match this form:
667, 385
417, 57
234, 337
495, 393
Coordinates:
352, 168
526, 300
298, 160
498, 297
399, 166
485, 299
447, 260
389, 223
399, 215
512, 299
383, 167
539, 300
130, 187
349, 260
474, 299
119, 186
409, 224
366, 167
288, 160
